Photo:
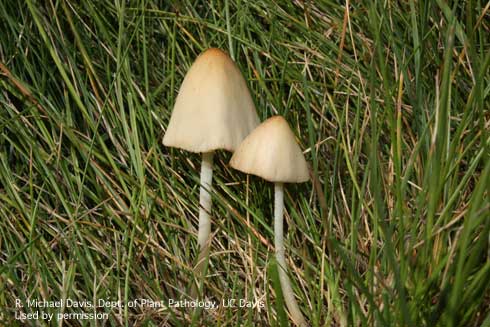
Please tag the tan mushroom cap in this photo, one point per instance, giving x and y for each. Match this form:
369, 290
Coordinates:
214, 109
272, 153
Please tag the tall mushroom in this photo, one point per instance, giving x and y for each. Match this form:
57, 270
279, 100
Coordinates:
271, 152
213, 110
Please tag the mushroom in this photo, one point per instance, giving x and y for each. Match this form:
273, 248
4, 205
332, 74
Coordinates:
271, 152
213, 110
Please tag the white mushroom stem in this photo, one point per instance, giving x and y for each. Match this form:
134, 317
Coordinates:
205, 199
203, 234
280, 257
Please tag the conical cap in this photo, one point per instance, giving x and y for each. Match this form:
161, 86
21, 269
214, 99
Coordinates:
272, 153
214, 109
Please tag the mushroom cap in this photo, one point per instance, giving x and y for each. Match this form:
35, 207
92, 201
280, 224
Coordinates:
214, 109
272, 153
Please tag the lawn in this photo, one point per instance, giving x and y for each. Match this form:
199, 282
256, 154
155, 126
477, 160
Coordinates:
389, 101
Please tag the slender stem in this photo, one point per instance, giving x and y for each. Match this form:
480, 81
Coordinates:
280, 257
203, 236
205, 199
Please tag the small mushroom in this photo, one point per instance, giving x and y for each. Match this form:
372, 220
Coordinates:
271, 152
213, 110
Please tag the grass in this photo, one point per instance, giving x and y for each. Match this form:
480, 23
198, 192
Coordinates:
390, 103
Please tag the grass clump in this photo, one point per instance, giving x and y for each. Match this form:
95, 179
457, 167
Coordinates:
390, 102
